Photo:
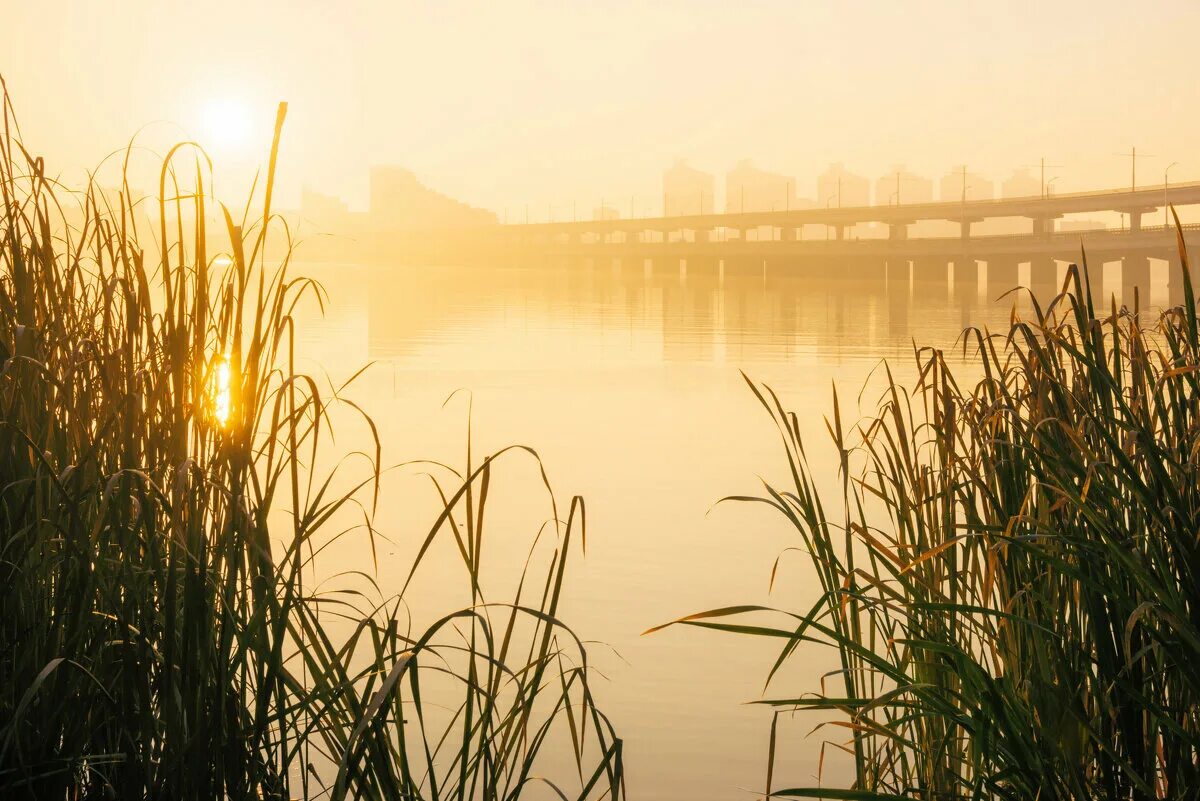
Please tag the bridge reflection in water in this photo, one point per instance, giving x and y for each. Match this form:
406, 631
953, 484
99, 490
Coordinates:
733, 309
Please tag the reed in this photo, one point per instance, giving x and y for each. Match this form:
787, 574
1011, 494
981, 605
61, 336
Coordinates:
1009, 573
162, 507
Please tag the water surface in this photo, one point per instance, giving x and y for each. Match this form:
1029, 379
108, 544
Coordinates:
627, 379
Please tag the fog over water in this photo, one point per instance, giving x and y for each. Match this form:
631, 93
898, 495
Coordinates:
626, 378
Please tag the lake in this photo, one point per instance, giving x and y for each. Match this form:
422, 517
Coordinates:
627, 380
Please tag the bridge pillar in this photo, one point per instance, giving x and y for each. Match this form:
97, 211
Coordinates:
1135, 226
1043, 278
1043, 225
966, 277
929, 271
1002, 276
1175, 279
787, 234
898, 273
898, 230
1135, 274
703, 234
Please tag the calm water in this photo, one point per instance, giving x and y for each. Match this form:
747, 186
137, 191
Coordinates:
626, 380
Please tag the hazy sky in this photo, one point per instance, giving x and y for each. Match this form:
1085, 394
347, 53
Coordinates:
508, 103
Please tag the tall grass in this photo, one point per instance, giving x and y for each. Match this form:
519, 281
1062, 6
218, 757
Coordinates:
162, 507
1010, 573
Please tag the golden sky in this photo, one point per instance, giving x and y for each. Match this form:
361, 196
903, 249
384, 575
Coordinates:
511, 103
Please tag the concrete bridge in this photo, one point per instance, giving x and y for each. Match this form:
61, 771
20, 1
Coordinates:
1041, 211
725, 236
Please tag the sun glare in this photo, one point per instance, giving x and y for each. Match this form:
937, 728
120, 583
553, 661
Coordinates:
220, 392
226, 124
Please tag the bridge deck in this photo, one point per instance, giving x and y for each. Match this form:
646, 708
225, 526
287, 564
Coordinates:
1036, 207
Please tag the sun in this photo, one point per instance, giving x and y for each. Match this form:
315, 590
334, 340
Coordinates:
226, 124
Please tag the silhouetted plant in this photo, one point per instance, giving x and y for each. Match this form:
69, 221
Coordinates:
1011, 579
156, 636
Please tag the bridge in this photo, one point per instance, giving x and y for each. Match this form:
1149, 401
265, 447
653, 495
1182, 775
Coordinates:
704, 237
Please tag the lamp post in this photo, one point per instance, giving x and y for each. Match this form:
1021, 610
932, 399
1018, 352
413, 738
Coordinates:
1133, 166
1167, 170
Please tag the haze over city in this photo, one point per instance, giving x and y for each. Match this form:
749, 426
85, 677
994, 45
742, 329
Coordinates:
539, 104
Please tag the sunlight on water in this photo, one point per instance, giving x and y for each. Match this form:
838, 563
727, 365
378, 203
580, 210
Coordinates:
221, 391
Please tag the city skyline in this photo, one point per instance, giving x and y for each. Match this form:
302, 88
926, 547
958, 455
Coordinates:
687, 190
602, 99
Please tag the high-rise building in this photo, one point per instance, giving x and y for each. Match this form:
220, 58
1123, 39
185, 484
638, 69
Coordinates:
958, 184
837, 188
1022, 183
901, 187
748, 188
687, 190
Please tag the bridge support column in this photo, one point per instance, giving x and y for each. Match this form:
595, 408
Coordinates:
966, 277
929, 271
1135, 226
703, 235
1043, 225
787, 234
1043, 278
1135, 274
1175, 279
898, 230
899, 274
898, 297
633, 237
1002, 276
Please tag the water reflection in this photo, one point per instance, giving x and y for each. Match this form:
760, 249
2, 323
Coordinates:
624, 374
702, 312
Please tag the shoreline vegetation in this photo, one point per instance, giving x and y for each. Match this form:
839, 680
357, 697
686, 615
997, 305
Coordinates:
1009, 575
157, 638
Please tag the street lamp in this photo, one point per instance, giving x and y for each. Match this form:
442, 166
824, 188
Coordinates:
1167, 170
1050, 185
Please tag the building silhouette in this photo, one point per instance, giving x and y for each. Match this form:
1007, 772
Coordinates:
901, 187
748, 188
399, 200
1022, 183
687, 190
321, 210
958, 184
837, 188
